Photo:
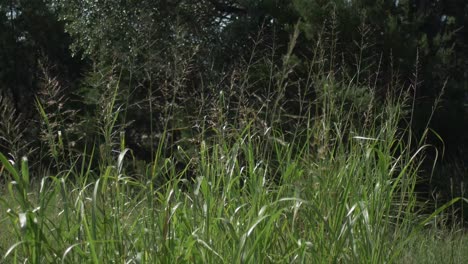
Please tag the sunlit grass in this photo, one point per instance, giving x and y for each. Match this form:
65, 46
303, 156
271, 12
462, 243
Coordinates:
256, 198
335, 185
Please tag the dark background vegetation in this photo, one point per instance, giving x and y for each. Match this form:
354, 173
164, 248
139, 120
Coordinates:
164, 54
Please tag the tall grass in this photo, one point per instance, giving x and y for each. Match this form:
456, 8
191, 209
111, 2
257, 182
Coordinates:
337, 188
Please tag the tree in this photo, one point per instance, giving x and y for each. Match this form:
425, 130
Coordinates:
30, 33
405, 33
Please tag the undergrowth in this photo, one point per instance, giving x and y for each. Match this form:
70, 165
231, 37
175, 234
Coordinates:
248, 180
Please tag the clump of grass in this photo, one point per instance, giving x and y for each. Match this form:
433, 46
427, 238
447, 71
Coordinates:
337, 184
13, 132
59, 127
442, 245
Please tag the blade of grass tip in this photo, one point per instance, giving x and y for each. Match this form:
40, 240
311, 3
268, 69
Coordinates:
22, 200
25, 173
9, 167
69, 250
95, 209
405, 168
12, 248
120, 160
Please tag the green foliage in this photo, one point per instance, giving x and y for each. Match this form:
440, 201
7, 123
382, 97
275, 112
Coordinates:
13, 133
227, 130
30, 32
59, 129
351, 201
400, 33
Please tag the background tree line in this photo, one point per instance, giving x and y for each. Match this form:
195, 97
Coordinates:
67, 55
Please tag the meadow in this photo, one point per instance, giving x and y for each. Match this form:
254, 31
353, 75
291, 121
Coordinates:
336, 183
